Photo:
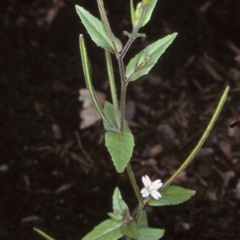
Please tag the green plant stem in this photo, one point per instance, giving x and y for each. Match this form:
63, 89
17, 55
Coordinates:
106, 23
122, 70
123, 106
111, 79
134, 32
134, 184
202, 139
122, 119
123, 94
141, 203
139, 211
126, 47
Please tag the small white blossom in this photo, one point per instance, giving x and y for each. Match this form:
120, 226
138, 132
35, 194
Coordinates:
151, 188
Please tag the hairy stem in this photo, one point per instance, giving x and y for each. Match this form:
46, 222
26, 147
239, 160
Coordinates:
123, 93
122, 70
123, 105
126, 47
106, 23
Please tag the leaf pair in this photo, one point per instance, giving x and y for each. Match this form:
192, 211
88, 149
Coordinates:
122, 224
100, 31
145, 232
149, 5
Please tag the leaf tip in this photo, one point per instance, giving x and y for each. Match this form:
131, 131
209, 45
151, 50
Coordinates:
77, 7
175, 34
119, 170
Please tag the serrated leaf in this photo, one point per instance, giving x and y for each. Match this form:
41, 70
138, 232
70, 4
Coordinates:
119, 206
130, 229
172, 195
149, 11
96, 29
107, 230
43, 234
120, 147
150, 233
143, 62
142, 221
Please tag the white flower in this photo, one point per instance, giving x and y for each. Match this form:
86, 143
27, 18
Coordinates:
150, 188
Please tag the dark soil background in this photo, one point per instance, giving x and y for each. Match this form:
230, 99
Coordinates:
59, 178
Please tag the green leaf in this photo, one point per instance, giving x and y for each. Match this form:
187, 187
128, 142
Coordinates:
150, 233
116, 41
172, 195
132, 11
107, 230
44, 235
143, 11
120, 146
96, 29
138, 10
142, 221
130, 229
112, 115
115, 216
143, 62
148, 14
119, 206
